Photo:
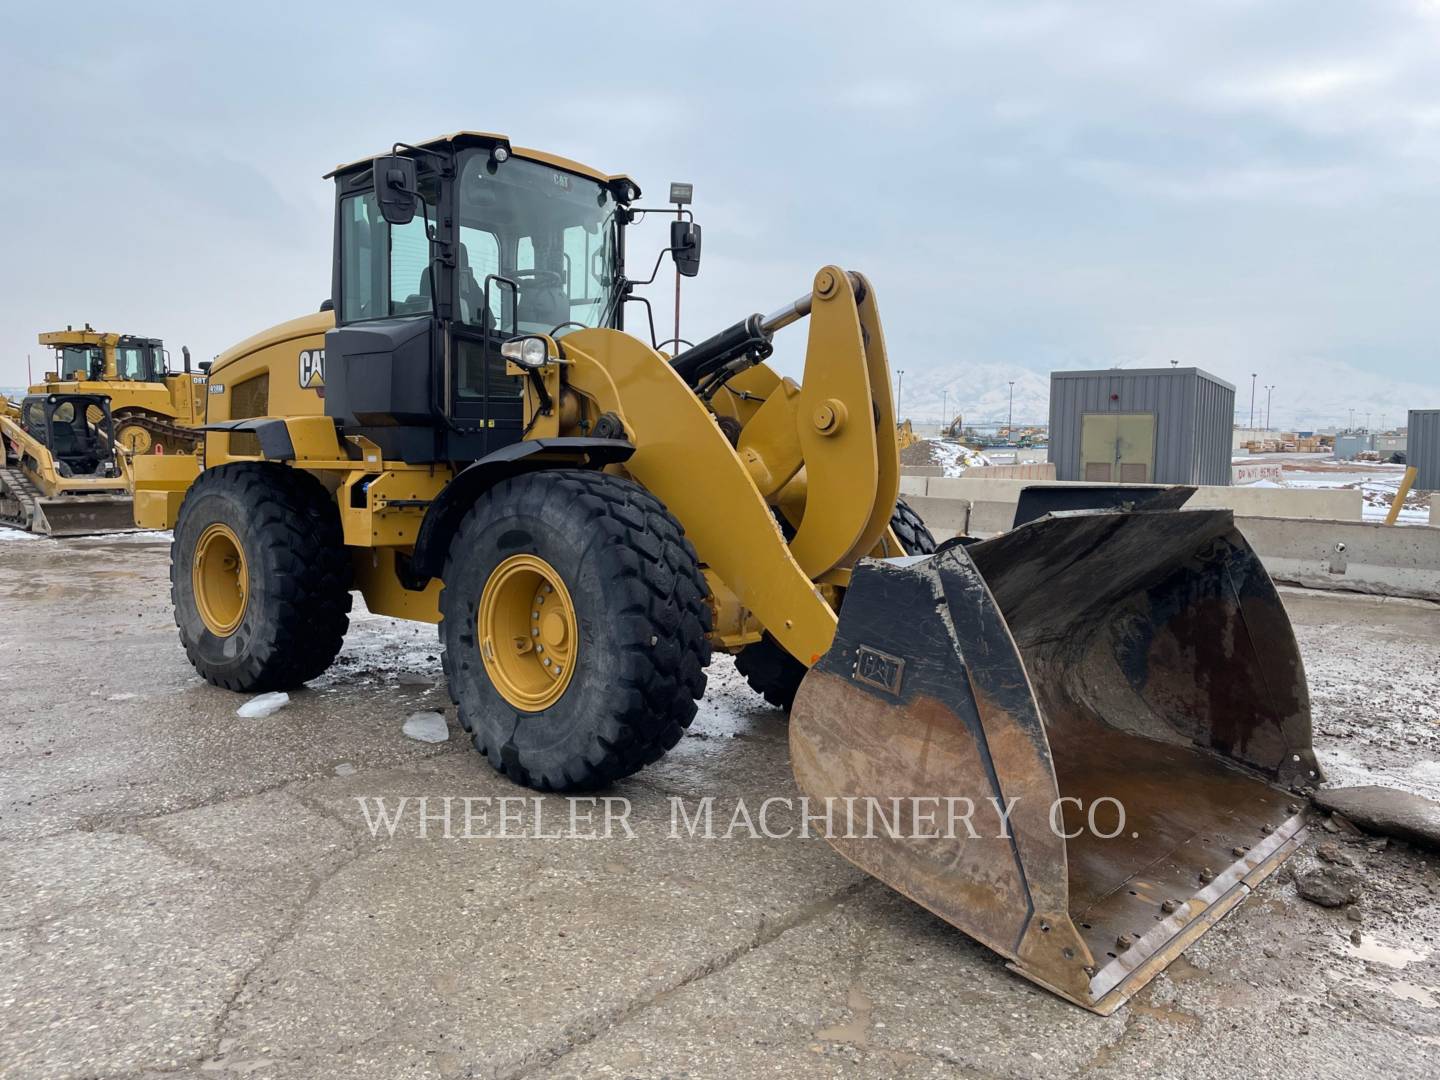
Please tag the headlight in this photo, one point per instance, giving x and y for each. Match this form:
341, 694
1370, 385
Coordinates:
528, 352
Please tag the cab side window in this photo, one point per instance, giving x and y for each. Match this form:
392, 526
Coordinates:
384, 271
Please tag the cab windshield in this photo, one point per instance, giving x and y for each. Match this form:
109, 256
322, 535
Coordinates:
81, 361
552, 235
550, 232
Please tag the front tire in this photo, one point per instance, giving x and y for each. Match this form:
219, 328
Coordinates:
259, 576
627, 617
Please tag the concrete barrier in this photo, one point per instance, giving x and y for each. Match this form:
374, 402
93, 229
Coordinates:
943, 517
1330, 504
911, 485
1304, 536
1042, 471
1354, 556
1247, 472
992, 499
922, 470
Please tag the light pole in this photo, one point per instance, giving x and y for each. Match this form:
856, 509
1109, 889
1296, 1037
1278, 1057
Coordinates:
1252, 401
944, 409
899, 389
1352, 420
1268, 391
1010, 420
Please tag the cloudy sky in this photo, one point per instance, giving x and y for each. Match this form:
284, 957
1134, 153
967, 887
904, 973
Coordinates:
1247, 186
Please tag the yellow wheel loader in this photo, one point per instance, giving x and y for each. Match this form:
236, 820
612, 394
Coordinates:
60, 471
155, 410
586, 519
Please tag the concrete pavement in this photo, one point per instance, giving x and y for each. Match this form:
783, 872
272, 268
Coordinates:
187, 893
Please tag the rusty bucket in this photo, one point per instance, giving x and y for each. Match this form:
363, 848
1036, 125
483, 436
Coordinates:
1117, 697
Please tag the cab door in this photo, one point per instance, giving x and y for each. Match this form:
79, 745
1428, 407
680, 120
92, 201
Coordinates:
482, 394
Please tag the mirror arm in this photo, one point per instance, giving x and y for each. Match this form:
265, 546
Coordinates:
649, 312
656, 269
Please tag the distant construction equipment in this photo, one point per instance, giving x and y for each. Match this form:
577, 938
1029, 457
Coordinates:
153, 409
61, 473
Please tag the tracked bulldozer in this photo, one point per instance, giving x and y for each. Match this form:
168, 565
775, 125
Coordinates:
61, 473
587, 518
154, 410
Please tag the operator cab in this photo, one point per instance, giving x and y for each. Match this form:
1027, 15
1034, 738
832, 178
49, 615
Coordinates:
137, 359
467, 243
140, 359
75, 428
78, 362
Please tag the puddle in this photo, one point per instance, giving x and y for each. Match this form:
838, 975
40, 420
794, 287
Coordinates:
1396, 958
1422, 995
856, 1031
1391, 956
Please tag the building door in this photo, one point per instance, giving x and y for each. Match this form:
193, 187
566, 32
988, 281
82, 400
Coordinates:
1118, 447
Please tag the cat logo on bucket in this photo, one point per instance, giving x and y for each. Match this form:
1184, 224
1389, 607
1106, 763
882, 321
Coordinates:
312, 369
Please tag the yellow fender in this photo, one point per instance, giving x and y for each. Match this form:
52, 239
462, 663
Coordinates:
682, 457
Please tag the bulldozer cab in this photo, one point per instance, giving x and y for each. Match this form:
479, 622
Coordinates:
80, 361
89, 355
140, 359
445, 251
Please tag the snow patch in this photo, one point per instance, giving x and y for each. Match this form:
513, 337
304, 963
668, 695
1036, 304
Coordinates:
955, 457
263, 705
426, 727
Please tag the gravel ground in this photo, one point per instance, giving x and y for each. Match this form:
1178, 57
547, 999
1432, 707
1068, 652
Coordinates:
188, 893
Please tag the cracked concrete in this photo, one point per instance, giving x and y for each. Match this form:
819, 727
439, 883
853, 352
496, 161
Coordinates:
184, 893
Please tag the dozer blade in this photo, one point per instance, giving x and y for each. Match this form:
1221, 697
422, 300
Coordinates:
1081, 663
81, 515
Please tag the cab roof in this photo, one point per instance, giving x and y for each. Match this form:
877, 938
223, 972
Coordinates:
460, 140
78, 337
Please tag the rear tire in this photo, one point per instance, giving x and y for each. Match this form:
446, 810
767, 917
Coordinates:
776, 675
635, 599
282, 619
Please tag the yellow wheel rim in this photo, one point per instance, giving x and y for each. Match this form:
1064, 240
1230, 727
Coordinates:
528, 633
220, 579
135, 439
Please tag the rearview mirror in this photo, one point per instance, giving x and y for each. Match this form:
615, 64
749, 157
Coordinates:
685, 247
395, 188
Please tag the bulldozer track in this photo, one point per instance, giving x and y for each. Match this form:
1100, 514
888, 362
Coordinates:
175, 439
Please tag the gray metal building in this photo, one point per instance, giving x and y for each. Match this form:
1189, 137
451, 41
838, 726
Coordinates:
1141, 426
1349, 447
1385, 445
1423, 447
